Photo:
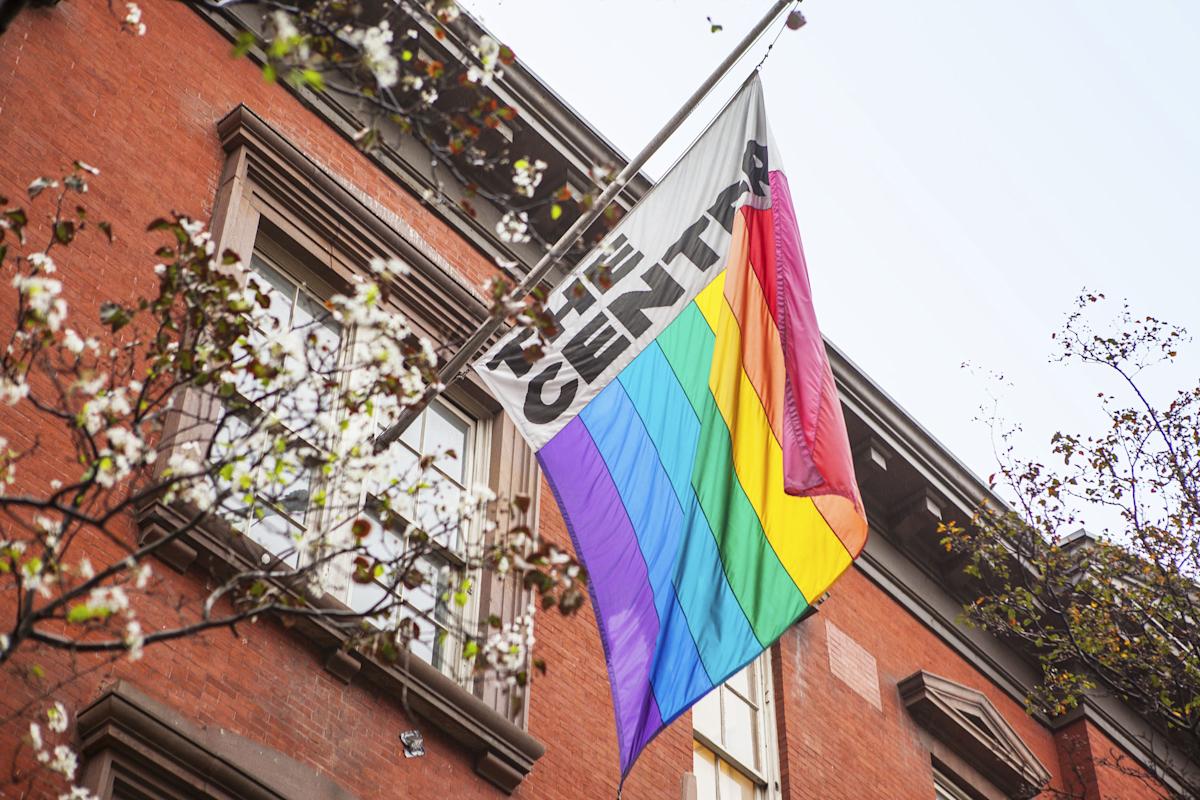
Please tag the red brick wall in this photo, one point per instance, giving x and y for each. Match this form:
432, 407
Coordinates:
1093, 764
838, 745
145, 111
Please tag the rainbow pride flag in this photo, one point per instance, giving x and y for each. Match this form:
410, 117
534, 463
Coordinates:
686, 418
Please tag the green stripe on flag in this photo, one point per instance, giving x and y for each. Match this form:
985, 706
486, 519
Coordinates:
762, 586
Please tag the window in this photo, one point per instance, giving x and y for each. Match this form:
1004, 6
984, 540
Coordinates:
733, 751
446, 431
282, 522
944, 789
270, 192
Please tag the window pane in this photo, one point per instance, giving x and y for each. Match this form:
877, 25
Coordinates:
313, 319
294, 494
437, 510
704, 767
943, 789
425, 646
385, 546
740, 739
445, 431
742, 682
706, 715
276, 534
281, 289
735, 785
412, 434
364, 596
427, 599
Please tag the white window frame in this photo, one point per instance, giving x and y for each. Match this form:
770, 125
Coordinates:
476, 458
282, 255
946, 789
766, 776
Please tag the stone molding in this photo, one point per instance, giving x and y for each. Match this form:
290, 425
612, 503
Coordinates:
132, 744
966, 721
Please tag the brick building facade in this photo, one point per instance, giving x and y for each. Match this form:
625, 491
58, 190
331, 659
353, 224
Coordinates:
880, 693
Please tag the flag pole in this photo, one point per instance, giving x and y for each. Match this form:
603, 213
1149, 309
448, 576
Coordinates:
451, 369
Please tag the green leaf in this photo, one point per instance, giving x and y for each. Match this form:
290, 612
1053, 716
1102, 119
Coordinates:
83, 612
313, 79
114, 316
245, 41
64, 232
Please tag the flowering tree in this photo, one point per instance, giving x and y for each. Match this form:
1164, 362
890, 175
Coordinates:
382, 63
1117, 613
202, 396
205, 397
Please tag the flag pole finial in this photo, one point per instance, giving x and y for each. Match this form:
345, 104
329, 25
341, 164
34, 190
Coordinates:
794, 21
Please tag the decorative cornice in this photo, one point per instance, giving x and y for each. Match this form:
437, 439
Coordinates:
967, 722
504, 753
128, 737
359, 227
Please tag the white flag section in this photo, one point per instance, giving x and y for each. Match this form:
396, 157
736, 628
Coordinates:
655, 262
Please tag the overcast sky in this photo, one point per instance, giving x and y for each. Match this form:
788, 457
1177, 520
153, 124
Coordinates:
960, 170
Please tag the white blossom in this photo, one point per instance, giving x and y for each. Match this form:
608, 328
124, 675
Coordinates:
12, 391
72, 341
42, 298
35, 736
527, 175
133, 18
57, 718
41, 262
63, 762
93, 385
77, 793
375, 44
108, 600
141, 575
513, 227
281, 21
506, 650
389, 267
35, 578
488, 53
448, 11
135, 640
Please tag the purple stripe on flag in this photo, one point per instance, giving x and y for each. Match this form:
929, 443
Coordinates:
620, 586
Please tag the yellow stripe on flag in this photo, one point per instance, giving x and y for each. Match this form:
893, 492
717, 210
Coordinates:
806, 546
